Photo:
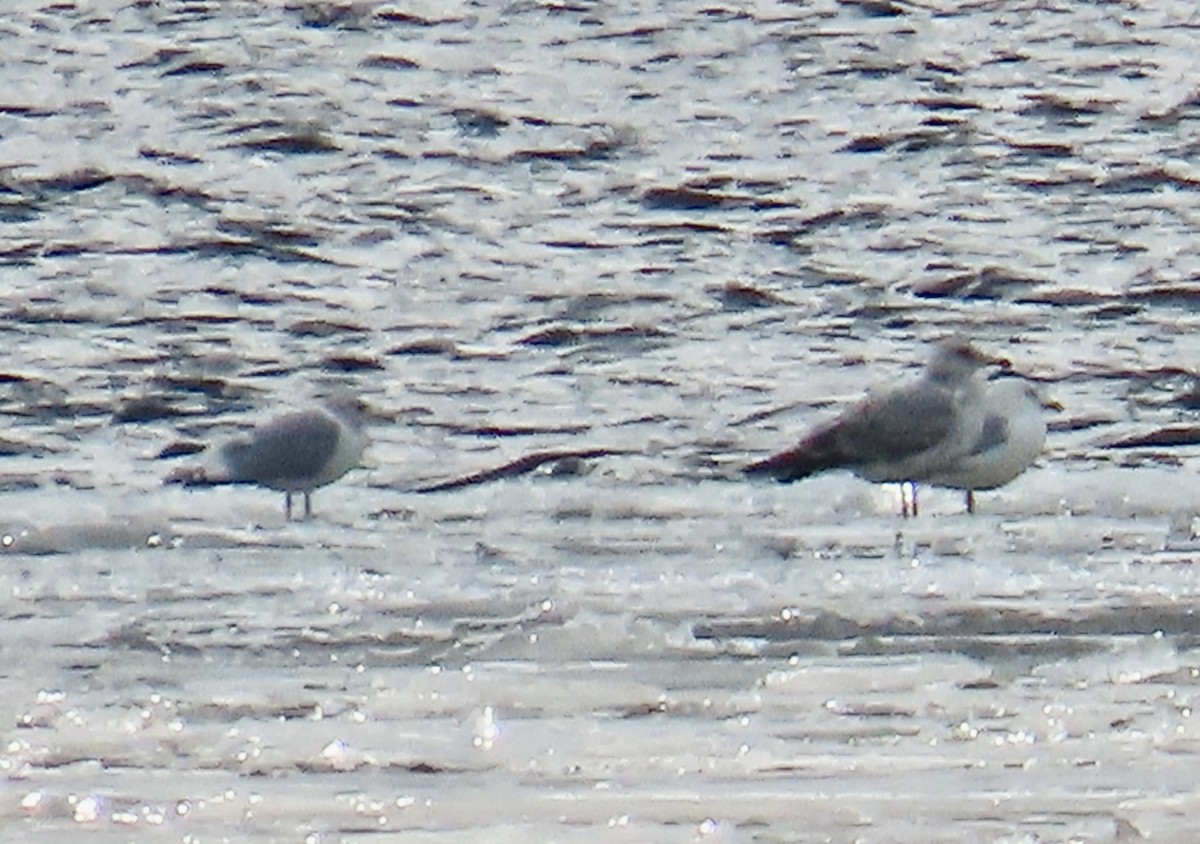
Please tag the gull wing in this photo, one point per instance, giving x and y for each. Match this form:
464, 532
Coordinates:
994, 434
898, 425
289, 450
884, 429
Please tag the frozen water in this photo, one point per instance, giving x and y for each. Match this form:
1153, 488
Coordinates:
678, 233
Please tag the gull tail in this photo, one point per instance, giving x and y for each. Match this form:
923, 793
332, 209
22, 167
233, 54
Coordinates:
817, 453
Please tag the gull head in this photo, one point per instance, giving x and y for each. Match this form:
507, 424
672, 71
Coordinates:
956, 359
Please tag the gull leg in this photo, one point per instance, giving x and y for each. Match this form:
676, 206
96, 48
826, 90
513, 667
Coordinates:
971, 501
307, 505
287, 506
914, 507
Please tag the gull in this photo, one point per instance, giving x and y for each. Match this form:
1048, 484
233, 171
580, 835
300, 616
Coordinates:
297, 452
1013, 436
903, 435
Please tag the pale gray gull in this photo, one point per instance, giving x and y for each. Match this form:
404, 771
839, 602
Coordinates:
1013, 436
297, 452
903, 435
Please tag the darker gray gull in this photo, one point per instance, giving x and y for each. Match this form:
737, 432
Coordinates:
904, 435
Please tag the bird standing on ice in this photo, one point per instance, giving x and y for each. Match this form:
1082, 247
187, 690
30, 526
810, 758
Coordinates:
902, 436
1013, 436
295, 452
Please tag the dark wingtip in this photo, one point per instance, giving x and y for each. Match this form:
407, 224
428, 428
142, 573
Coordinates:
785, 467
